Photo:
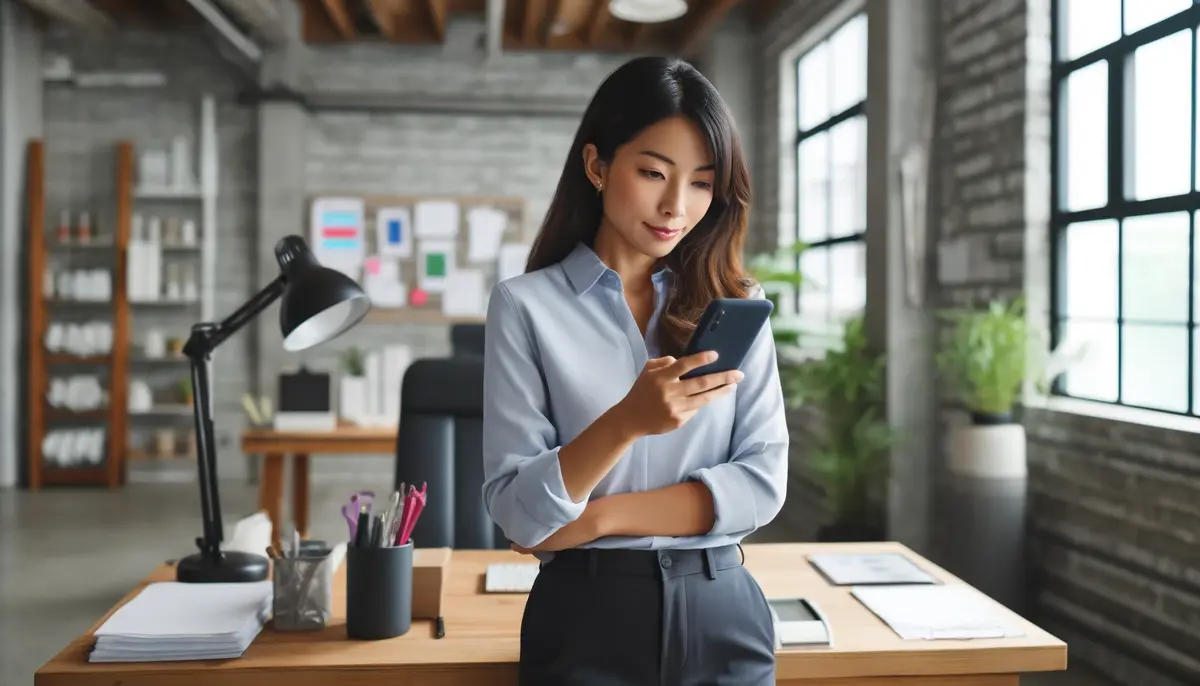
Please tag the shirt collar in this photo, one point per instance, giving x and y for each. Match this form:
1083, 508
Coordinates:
584, 269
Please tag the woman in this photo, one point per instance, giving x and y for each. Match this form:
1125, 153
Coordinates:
633, 487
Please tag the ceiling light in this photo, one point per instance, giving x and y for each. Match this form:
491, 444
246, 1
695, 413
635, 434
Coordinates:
647, 11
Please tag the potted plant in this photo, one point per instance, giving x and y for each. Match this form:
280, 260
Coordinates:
987, 363
353, 385
775, 271
846, 386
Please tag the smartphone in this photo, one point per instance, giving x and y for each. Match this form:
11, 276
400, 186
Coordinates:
729, 326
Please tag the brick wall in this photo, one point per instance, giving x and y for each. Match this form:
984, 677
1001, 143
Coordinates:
775, 217
1113, 506
82, 128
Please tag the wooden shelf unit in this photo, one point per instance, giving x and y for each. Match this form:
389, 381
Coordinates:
110, 472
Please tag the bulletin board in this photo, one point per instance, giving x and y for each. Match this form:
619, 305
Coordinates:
421, 259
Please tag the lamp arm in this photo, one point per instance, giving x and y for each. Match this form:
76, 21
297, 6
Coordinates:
204, 339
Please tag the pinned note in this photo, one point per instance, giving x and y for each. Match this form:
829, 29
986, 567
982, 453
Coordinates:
382, 282
486, 227
464, 294
436, 219
511, 261
435, 261
393, 226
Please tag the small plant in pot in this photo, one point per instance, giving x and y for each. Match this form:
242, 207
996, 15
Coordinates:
846, 387
987, 363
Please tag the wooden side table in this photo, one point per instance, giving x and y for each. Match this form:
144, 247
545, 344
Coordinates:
299, 445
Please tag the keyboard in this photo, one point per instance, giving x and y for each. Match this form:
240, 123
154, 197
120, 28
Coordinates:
509, 577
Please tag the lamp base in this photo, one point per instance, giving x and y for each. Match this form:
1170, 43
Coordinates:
230, 567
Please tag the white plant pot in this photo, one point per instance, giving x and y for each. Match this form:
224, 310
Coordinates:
352, 398
987, 451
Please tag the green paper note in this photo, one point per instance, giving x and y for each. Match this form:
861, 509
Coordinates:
435, 264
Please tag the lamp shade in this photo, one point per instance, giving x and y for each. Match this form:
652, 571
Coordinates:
647, 11
319, 303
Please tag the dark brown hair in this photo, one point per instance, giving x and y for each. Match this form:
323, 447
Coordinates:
707, 262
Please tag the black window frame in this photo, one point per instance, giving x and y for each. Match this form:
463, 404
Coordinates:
1119, 55
802, 134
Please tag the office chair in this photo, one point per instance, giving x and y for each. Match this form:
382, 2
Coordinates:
440, 443
466, 339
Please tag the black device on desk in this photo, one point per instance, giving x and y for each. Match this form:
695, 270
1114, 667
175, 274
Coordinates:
729, 326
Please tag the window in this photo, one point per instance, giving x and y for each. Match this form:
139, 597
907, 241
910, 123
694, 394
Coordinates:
831, 173
1125, 200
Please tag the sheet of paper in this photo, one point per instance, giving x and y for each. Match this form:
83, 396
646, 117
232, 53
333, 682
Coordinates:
382, 283
464, 295
853, 569
485, 226
338, 235
936, 612
436, 219
435, 262
394, 233
511, 261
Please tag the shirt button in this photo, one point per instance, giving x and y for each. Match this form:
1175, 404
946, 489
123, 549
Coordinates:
665, 561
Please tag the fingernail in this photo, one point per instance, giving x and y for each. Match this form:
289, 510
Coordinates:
712, 356
738, 376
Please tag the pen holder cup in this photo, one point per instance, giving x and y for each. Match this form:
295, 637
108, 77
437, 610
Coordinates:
379, 591
303, 591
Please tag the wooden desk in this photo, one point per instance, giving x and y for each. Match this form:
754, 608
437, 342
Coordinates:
299, 445
481, 645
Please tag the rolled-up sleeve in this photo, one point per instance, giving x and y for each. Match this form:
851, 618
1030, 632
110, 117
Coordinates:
523, 486
748, 491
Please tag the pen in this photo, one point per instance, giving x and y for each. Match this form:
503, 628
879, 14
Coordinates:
363, 530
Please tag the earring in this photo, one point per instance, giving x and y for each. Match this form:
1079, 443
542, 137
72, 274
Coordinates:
599, 188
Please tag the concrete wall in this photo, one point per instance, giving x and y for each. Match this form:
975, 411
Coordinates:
20, 120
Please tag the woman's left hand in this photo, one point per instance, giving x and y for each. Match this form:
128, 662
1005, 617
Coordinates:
583, 530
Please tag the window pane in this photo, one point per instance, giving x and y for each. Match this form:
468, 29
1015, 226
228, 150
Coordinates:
1154, 362
1197, 110
814, 291
1085, 130
849, 184
813, 190
814, 87
848, 279
1154, 268
848, 53
1141, 13
1196, 374
1095, 375
1088, 25
1160, 117
1090, 266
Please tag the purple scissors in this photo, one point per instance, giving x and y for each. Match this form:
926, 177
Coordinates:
350, 510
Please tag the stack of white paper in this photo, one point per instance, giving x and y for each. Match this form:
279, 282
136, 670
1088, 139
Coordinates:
178, 621
936, 612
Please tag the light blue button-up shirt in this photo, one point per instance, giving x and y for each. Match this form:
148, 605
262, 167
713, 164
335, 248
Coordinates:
562, 347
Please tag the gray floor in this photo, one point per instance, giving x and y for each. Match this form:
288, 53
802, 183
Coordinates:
67, 555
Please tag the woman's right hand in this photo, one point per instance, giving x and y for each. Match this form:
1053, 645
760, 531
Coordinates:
660, 401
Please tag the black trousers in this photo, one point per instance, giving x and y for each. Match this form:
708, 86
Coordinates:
643, 618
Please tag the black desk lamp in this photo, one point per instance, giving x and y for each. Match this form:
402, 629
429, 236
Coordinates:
318, 304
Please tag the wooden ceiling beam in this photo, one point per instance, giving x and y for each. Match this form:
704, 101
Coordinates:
77, 13
384, 13
340, 16
547, 27
533, 19
600, 20
706, 19
437, 15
